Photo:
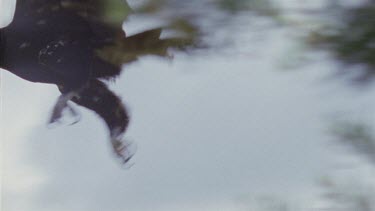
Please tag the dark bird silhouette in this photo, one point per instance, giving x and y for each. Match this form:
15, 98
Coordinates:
76, 44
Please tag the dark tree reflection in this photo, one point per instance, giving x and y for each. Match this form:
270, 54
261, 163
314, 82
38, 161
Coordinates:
357, 135
76, 44
350, 36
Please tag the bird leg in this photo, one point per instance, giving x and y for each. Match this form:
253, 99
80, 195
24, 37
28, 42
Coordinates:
60, 105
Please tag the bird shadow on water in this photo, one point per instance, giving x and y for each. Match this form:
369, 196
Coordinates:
79, 46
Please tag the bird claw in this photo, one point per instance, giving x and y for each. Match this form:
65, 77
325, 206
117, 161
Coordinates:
75, 114
60, 106
57, 116
124, 150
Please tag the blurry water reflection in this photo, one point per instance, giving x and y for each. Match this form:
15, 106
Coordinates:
222, 123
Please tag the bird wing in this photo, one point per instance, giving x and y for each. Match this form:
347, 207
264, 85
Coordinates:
126, 50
